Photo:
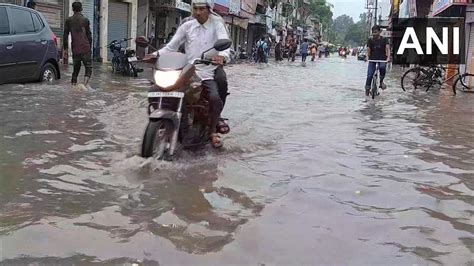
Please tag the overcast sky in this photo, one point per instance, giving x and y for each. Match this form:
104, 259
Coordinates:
353, 8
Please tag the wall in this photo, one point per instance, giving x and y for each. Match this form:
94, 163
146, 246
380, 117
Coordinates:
142, 17
104, 8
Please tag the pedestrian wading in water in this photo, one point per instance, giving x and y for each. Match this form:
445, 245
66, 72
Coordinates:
79, 27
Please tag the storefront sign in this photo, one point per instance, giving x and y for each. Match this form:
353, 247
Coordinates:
234, 7
396, 6
183, 6
412, 8
440, 5
249, 6
386, 33
223, 3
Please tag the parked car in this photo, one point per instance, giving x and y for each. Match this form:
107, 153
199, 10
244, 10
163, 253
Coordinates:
28, 47
362, 54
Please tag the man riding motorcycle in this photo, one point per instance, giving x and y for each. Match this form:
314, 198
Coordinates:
198, 36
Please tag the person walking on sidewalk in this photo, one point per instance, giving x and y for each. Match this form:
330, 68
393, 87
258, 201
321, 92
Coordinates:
304, 50
313, 51
378, 49
79, 27
278, 51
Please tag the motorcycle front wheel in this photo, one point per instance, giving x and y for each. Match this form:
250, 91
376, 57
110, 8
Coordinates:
114, 66
133, 71
157, 139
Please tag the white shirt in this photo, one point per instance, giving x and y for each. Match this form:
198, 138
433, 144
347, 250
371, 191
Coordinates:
197, 39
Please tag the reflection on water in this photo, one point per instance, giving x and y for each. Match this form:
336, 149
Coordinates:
310, 167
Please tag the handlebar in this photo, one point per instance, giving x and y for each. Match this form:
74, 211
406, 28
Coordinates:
152, 59
205, 62
118, 41
378, 61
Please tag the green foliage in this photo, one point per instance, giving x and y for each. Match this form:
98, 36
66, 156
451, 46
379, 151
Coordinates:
321, 10
348, 33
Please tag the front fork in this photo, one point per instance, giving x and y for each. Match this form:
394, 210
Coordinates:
174, 137
175, 117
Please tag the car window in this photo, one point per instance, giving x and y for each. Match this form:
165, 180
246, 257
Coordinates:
4, 25
37, 22
22, 21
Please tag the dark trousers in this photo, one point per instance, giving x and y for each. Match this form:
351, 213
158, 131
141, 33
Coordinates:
371, 72
85, 59
215, 102
303, 57
219, 85
278, 56
221, 78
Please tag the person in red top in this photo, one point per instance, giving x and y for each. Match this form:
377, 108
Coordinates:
79, 27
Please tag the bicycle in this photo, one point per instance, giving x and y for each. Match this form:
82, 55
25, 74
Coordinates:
427, 77
462, 78
462, 81
375, 79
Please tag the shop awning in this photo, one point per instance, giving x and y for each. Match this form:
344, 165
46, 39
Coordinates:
440, 6
238, 21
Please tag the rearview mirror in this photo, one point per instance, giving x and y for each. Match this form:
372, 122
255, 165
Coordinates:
222, 44
142, 41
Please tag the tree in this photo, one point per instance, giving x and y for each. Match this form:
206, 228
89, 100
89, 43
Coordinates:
340, 27
321, 10
354, 35
346, 32
357, 34
342, 23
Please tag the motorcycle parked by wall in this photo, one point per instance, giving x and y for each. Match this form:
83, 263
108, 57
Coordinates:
242, 53
174, 89
124, 60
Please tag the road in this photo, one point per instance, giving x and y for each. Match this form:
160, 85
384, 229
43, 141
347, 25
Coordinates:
312, 173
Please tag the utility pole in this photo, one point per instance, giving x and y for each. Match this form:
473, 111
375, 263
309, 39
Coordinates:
375, 17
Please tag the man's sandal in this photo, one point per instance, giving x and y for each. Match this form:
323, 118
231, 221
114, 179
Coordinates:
222, 127
216, 140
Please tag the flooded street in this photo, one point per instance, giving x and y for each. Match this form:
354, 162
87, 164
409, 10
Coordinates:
312, 173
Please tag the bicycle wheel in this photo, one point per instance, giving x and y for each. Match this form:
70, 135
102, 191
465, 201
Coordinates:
462, 83
413, 79
373, 91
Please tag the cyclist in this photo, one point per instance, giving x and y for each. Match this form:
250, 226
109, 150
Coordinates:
378, 49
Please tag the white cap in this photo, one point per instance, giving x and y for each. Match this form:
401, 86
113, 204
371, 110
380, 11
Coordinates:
208, 3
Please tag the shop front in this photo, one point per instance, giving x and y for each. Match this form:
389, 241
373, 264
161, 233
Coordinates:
54, 12
461, 9
168, 14
469, 67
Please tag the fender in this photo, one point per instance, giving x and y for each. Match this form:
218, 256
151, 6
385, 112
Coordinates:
175, 117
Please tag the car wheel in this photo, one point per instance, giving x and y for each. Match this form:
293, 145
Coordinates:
48, 73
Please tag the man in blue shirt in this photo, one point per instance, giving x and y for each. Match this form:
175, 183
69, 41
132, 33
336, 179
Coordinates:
262, 47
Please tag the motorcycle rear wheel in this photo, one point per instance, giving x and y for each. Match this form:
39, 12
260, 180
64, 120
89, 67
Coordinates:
157, 139
133, 71
114, 66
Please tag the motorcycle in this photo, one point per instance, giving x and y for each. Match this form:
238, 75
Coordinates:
343, 54
254, 54
174, 89
124, 59
242, 53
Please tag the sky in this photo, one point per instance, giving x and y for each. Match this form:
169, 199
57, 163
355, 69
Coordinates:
354, 8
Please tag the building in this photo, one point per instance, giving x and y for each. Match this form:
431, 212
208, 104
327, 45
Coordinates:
109, 20
236, 23
459, 8
166, 15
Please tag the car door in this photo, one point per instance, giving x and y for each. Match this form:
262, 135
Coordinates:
7, 62
30, 47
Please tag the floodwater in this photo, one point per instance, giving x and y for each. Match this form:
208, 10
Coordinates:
312, 173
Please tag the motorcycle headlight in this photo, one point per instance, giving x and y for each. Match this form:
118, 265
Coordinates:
166, 79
